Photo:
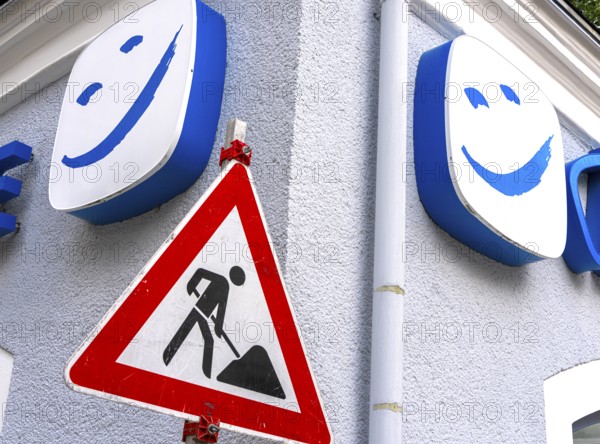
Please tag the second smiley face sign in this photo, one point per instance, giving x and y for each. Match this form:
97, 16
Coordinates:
489, 154
140, 114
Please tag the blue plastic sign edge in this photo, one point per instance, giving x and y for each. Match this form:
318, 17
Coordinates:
13, 155
194, 147
8, 224
581, 253
10, 188
434, 182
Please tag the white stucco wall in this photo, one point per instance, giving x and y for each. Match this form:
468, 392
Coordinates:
308, 89
518, 327
60, 274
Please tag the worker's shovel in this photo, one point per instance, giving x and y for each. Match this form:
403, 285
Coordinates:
224, 336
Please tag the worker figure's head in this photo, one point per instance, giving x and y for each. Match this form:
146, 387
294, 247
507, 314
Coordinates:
237, 276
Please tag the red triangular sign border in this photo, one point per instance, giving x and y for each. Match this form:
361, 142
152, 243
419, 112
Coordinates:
94, 368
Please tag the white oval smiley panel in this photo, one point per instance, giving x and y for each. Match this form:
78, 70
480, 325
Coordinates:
489, 154
140, 113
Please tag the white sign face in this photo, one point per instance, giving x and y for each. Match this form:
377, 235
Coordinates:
206, 329
127, 110
247, 324
505, 149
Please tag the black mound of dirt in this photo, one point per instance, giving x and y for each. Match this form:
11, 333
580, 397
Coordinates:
253, 371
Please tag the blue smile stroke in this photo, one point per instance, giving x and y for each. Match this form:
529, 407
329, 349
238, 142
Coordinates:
519, 181
132, 116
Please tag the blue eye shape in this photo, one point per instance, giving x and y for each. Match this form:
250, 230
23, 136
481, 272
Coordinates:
475, 97
86, 95
132, 43
510, 94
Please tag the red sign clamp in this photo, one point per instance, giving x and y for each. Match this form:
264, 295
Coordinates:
238, 150
205, 431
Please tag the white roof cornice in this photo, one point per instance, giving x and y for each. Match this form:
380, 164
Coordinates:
41, 39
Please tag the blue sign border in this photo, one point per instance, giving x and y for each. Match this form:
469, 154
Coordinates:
434, 181
583, 238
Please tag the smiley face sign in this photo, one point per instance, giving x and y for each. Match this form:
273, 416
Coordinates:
140, 113
489, 154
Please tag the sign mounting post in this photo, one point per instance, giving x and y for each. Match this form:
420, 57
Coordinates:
208, 428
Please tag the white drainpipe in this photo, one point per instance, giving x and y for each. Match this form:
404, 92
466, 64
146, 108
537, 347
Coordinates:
385, 422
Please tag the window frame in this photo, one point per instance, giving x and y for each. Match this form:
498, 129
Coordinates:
6, 369
569, 397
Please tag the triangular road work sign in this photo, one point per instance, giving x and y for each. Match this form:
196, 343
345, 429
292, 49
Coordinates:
206, 329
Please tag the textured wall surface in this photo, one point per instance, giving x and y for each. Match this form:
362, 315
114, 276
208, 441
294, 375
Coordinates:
480, 337
60, 274
331, 210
